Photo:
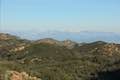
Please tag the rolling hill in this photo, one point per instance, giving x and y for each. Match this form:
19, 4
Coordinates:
50, 59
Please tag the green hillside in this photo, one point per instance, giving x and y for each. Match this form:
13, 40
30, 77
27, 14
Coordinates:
91, 61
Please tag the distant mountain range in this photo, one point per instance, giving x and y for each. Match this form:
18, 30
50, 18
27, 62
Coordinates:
83, 36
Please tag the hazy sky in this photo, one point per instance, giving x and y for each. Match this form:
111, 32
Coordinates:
68, 15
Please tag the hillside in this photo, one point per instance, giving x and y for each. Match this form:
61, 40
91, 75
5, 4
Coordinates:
49, 59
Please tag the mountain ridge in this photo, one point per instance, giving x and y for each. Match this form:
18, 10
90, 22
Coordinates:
83, 36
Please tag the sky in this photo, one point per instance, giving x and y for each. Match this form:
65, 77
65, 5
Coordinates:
64, 15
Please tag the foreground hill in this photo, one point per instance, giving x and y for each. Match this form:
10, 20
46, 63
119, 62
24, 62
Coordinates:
49, 59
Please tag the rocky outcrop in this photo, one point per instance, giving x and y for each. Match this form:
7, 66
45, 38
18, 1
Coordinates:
14, 75
111, 49
69, 44
18, 48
